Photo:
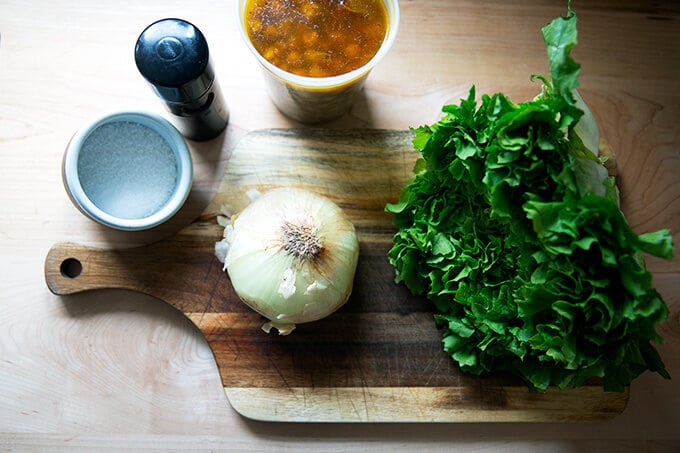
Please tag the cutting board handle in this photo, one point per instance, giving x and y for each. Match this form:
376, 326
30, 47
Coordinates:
72, 268
181, 270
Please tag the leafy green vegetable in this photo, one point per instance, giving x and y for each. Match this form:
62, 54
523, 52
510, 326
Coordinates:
510, 228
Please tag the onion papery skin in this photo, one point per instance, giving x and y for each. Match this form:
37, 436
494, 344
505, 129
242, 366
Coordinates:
284, 288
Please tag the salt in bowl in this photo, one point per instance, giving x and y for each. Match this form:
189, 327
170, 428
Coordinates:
128, 170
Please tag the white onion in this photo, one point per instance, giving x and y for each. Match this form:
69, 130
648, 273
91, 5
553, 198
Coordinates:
291, 255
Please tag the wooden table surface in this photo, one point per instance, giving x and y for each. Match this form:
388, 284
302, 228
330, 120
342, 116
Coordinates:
112, 369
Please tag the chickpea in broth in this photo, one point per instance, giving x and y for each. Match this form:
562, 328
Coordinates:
316, 38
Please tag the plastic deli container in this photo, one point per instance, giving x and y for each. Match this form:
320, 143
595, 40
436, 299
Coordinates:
318, 99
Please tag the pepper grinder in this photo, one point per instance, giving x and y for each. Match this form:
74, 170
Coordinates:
173, 56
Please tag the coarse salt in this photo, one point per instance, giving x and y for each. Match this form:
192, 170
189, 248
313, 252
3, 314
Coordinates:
127, 169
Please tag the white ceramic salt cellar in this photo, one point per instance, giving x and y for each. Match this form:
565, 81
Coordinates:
129, 170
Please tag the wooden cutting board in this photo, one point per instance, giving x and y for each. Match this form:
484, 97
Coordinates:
379, 358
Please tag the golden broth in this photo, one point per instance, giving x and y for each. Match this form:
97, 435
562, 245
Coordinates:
316, 38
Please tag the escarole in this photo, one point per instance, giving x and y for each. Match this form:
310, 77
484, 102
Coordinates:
291, 255
510, 227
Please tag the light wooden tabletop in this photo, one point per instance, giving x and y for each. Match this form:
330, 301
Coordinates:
114, 369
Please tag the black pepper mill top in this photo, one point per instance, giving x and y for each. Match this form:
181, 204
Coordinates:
173, 56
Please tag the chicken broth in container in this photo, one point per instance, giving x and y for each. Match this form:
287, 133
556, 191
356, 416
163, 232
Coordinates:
320, 38
317, 53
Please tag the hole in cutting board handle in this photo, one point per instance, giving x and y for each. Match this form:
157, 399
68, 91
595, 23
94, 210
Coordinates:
71, 268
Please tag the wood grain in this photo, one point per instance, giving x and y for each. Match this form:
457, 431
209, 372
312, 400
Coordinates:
379, 358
